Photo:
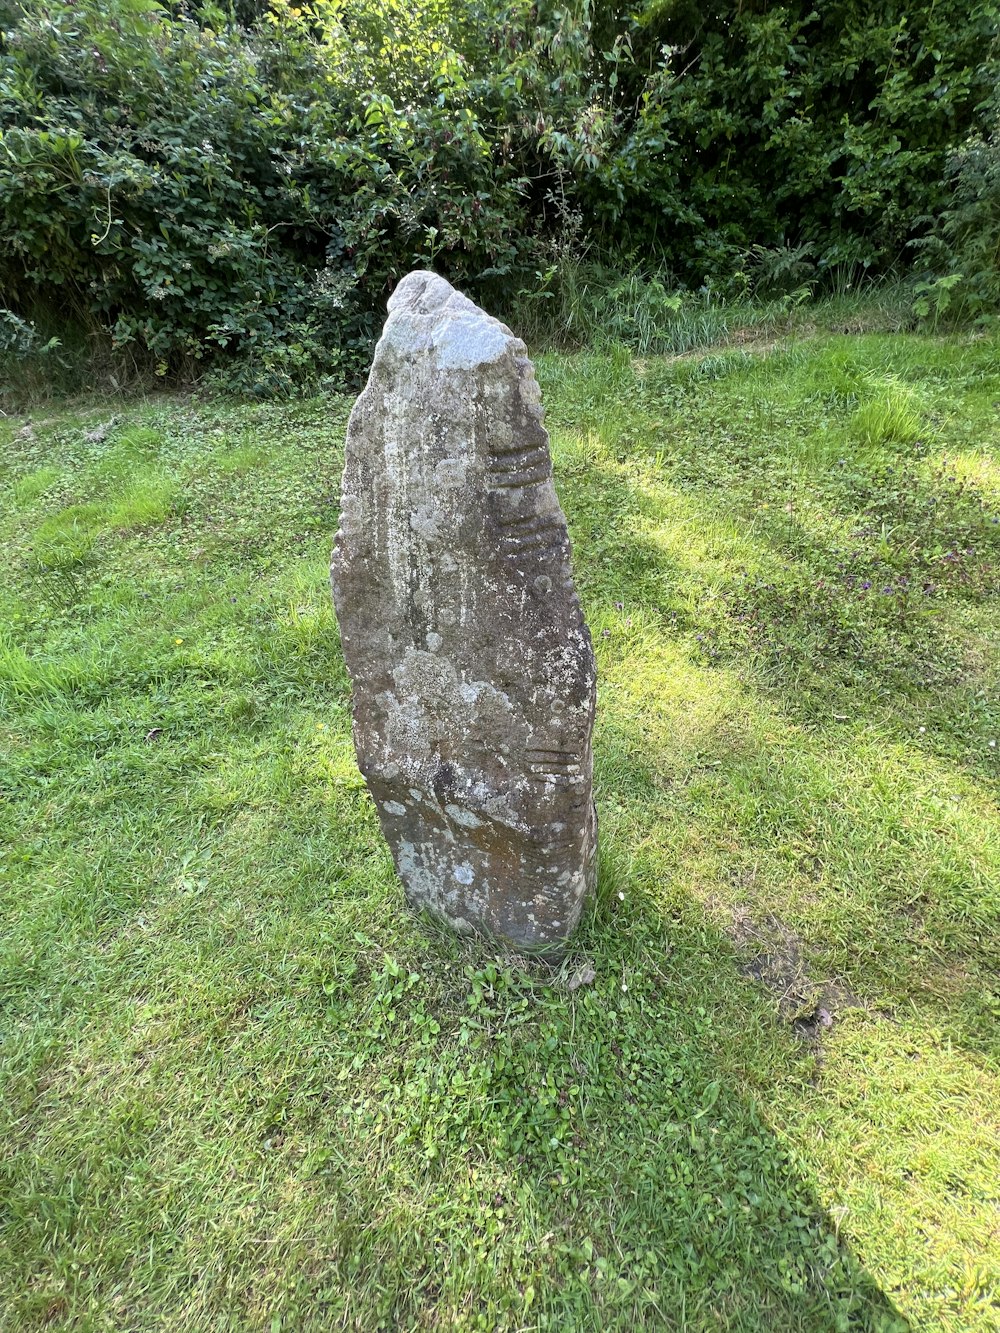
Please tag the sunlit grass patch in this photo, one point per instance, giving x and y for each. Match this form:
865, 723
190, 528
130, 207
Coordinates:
241, 459
838, 380
68, 539
125, 452
23, 673
928, 1108
978, 469
303, 607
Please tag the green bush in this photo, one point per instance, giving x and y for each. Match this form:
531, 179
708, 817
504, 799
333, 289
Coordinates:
190, 188
966, 246
245, 184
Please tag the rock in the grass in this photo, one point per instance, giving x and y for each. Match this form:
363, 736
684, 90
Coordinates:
473, 669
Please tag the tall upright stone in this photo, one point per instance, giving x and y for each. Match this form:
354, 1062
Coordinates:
473, 669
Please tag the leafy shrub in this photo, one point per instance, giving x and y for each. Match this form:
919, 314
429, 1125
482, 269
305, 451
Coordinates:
189, 189
206, 181
968, 240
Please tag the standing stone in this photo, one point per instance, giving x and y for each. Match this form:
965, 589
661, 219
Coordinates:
473, 669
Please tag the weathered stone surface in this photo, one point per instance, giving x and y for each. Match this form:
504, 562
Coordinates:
473, 669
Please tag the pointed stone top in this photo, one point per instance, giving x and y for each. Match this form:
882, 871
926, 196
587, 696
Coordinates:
424, 293
425, 311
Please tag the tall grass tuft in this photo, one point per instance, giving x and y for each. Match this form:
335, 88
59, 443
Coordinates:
580, 304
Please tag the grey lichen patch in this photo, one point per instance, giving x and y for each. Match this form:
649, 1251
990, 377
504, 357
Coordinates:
426, 522
463, 817
473, 671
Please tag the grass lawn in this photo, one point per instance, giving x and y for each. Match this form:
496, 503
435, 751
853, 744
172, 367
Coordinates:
241, 1088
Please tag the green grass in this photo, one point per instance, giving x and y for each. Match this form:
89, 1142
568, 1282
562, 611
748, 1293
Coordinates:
242, 1088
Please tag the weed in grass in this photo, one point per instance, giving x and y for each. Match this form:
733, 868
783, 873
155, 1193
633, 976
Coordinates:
242, 459
889, 417
26, 490
67, 540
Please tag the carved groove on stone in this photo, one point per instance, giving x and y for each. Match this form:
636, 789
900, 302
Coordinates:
530, 525
526, 460
516, 481
547, 536
503, 457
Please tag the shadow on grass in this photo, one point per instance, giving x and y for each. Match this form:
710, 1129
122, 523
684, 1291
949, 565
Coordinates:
596, 1165
421, 1139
